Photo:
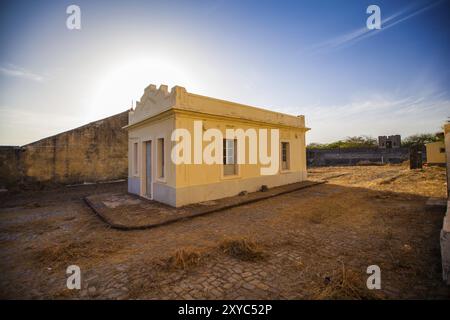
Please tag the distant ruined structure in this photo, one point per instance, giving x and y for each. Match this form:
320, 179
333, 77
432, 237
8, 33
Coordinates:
390, 142
389, 150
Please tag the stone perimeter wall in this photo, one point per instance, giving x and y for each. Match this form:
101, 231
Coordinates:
353, 156
94, 152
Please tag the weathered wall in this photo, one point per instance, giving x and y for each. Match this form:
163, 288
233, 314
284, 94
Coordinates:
10, 169
353, 156
94, 152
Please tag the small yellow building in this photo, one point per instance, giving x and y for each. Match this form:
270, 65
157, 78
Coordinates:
186, 148
436, 152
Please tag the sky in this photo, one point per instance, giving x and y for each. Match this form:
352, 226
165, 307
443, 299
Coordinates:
315, 58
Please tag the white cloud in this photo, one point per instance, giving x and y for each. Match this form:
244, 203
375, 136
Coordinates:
18, 72
357, 35
378, 115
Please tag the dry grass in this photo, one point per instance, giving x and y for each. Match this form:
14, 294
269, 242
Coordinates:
428, 182
38, 226
243, 249
190, 257
391, 179
185, 258
317, 217
346, 285
369, 163
325, 212
65, 254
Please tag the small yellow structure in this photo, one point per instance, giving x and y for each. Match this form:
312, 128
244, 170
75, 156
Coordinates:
436, 152
163, 120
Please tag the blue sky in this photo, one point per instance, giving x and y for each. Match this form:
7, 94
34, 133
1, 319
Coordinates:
315, 58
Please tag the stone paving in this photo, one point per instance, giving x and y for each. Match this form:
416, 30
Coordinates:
308, 238
130, 212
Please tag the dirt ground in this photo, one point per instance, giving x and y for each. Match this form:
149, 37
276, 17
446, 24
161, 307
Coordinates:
126, 211
314, 243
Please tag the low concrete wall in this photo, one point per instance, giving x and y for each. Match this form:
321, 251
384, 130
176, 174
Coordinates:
354, 156
94, 152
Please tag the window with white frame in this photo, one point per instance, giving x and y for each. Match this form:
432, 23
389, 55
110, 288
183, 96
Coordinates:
285, 163
229, 157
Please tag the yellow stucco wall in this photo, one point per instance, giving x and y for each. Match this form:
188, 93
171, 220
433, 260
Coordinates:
192, 174
436, 152
161, 111
196, 183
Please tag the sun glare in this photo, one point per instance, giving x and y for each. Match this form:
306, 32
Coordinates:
125, 82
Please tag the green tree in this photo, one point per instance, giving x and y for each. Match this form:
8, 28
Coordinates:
349, 142
421, 139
